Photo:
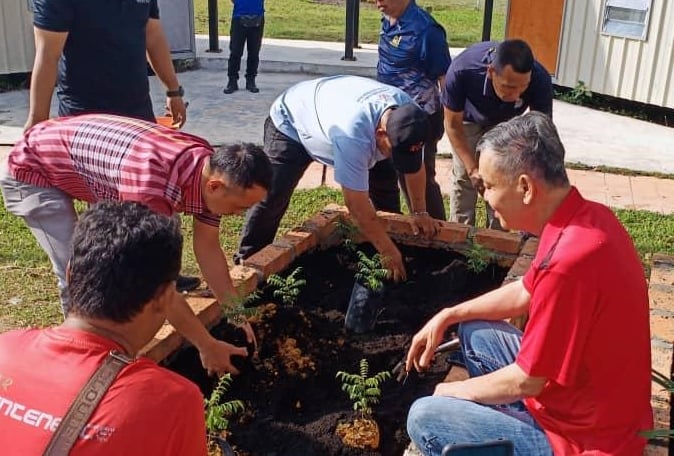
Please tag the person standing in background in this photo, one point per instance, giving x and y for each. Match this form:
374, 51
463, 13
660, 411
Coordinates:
247, 29
413, 56
96, 52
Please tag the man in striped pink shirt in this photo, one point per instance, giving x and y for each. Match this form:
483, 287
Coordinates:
105, 157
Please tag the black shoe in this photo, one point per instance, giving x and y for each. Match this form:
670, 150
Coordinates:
232, 86
250, 85
187, 283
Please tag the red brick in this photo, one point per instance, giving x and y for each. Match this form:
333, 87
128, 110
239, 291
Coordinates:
662, 327
244, 279
520, 267
165, 342
452, 233
299, 241
530, 247
498, 240
323, 225
397, 223
270, 260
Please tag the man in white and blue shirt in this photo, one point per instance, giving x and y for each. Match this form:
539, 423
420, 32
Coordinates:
349, 123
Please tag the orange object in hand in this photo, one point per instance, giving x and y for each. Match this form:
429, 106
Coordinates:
167, 121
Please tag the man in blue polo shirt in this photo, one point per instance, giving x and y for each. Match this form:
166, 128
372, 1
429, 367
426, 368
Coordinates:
349, 123
413, 56
99, 50
486, 84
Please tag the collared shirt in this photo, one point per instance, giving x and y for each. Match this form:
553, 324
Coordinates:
413, 55
335, 119
104, 157
581, 307
467, 88
248, 7
104, 64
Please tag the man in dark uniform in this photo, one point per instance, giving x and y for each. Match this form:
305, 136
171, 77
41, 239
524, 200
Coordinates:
413, 56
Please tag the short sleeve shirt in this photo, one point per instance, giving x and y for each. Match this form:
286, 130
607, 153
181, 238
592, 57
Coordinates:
147, 411
104, 66
413, 55
467, 88
99, 157
335, 119
248, 7
588, 323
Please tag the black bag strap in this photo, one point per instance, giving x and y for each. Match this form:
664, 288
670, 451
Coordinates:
85, 403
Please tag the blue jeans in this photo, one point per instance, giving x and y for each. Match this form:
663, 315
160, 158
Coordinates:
436, 421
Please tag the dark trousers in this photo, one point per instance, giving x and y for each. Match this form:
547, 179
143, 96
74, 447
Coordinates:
239, 36
434, 204
289, 160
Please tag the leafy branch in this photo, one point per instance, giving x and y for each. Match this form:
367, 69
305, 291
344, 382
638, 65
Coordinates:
217, 413
668, 385
236, 308
348, 232
371, 271
478, 258
363, 390
288, 288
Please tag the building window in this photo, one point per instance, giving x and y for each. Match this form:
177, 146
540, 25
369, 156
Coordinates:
627, 18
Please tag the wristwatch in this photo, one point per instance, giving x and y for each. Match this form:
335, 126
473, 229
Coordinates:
175, 93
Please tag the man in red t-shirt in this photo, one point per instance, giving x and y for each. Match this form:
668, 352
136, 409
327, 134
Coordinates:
101, 157
121, 283
560, 387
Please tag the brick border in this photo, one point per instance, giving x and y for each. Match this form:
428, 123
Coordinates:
661, 296
509, 250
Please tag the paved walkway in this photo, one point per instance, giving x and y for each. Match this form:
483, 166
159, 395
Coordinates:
590, 137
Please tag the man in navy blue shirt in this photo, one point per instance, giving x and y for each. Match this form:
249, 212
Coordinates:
99, 50
413, 56
247, 29
486, 84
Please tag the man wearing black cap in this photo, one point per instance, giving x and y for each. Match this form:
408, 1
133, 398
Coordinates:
349, 123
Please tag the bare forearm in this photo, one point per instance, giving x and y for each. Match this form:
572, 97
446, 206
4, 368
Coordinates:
503, 386
183, 319
159, 56
507, 301
213, 265
457, 138
42, 84
416, 189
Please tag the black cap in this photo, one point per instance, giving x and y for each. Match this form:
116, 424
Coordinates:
407, 128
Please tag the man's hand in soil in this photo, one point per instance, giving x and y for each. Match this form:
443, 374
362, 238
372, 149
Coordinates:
393, 261
216, 357
425, 225
424, 343
250, 334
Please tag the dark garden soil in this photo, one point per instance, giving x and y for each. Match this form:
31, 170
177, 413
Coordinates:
293, 401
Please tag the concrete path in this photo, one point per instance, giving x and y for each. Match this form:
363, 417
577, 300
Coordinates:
591, 137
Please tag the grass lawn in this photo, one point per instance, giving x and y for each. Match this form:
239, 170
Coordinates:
324, 20
28, 294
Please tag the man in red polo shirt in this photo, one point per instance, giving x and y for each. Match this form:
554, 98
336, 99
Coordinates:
558, 387
122, 282
105, 157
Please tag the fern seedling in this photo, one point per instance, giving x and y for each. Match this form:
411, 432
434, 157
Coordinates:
218, 413
289, 288
236, 310
371, 272
363, 390
348, 232
477, 258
